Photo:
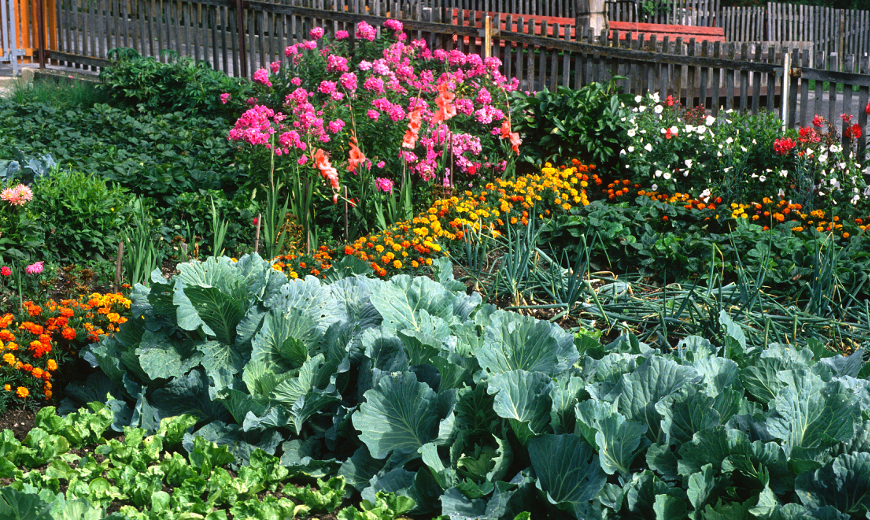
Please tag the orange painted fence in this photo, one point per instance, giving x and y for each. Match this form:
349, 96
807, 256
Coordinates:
27, 29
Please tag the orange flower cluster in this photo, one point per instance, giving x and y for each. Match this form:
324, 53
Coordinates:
33, 349
413, 244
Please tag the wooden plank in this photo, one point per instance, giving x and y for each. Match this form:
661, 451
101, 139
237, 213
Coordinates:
730, 78
863, 99
652, 70
666, 70
793, 88
566, 60
848, 62
832, 92
228, 45
78, 59
805, 115
756, 82
690, 77
678, 71
744, 78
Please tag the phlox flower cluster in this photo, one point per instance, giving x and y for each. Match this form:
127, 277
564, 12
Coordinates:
413, 110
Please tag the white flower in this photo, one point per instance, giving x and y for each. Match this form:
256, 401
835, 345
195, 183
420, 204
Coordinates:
643, 131
729, 111
641, 108
658, 173
701, 129
780, 193
726, 169
783, 173
753, 141
655, 97
638, 99
621, 153
690, 128
688, 163
667, 176
823, 158
623, 119
648, 147
762, 178
842, 166
855, 199
710, 120
674, 130
630, 149
702, 137
835, 148
835, 184
705, 195
719, 154
743, 148
632, 132
729, 141
658, 109
663, 131
685, 173
655, 187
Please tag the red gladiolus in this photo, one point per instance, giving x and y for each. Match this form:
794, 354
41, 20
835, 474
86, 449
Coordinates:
356, 156
783, 146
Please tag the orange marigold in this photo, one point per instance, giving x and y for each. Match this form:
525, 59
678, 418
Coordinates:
22, 392
69, 333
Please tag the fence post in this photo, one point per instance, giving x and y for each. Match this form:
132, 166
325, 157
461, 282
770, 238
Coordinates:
487, 37
786, 65
40, 32
240, 28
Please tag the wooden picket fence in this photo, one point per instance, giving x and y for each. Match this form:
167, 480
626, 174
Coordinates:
716, 75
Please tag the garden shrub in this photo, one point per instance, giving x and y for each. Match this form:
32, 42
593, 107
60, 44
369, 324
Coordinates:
181, 84
21, 233
589, 124
83, 215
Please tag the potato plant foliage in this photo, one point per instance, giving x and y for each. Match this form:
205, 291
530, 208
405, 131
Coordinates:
412, 386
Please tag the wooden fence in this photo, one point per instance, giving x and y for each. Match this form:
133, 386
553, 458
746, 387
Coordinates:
715, 75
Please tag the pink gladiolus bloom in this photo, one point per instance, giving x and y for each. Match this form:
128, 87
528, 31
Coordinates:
444, 101
513, 136
321, 162
224, 98
356, 156
385, 185
35, 268
5, 271
413, 132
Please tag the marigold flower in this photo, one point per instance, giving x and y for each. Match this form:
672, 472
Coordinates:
51, 365
22, 392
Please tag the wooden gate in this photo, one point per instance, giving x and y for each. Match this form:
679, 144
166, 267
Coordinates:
22, 13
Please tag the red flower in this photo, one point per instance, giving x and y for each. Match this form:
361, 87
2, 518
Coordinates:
783, 145
670, 101
5, 271
254, 222
845, 118
817, 121
853, 131
867, 109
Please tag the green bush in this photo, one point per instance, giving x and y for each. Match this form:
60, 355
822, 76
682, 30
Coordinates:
82, 215
588, 124
181, 85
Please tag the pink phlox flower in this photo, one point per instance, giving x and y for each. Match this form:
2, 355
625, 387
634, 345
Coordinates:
335, 126
309, 45
385, 185
335, 63
365, 31
275, 66
484, 97
373, 114
380, 68
374, 84
464, 106
34, 268
291, 139
316, 33
348, 81
440, 54
251, 101
456, 58
395, 25
292, 50
302, 160
381, 164
364, 65
262, 76
224, 98
341, 35
326, 87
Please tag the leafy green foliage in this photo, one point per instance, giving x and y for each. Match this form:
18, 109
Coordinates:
587, 123
180, 84
413, 387
84, 214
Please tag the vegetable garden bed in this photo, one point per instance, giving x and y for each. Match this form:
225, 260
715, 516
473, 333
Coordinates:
420, 293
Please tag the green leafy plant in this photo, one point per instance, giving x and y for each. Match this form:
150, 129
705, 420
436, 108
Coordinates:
141, 254
588, 123
83, 212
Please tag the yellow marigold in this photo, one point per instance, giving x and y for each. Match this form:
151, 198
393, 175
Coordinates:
51, 365
37, 372
9, 358
397, 264
8, 388
22, 392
